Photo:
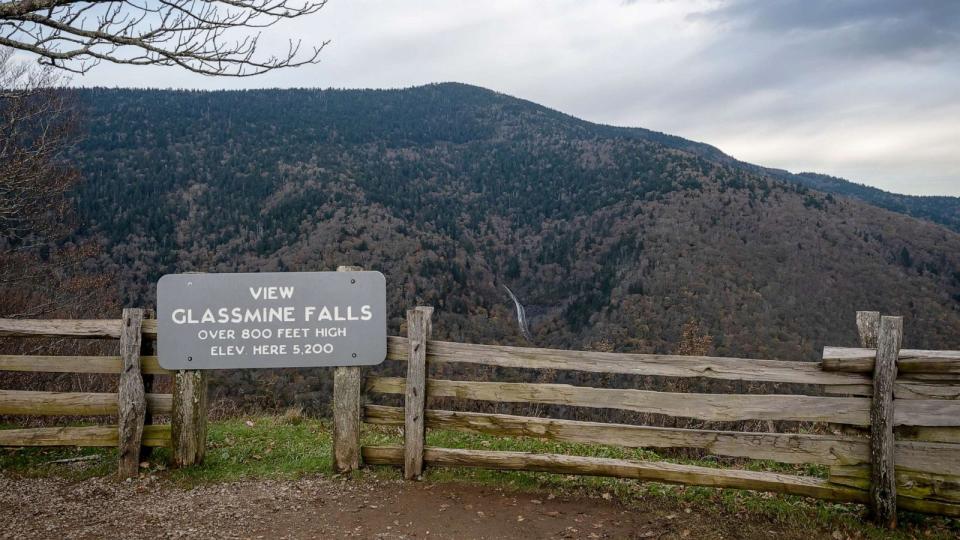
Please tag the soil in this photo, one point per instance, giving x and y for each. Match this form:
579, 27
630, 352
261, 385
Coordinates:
366, 507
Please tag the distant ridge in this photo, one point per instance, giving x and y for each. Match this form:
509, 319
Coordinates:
615, 238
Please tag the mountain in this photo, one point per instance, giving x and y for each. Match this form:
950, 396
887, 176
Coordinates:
938, 209
614, 238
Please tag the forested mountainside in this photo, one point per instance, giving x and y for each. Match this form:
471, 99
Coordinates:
614, 238
938, 209
943, 210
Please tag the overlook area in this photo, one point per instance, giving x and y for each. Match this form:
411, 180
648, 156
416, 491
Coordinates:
502, 270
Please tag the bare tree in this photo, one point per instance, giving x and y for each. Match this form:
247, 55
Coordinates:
39, 272
212, 37
36, 128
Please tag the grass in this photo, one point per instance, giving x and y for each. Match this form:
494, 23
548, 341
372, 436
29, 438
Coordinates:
289, 446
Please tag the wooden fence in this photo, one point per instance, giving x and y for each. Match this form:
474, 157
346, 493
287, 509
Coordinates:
134, 404
909, 400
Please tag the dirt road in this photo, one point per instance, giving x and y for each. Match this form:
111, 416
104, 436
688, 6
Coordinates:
321, 507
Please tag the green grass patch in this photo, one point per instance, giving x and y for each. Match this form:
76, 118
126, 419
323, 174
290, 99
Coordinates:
290, 446
263, 447
46, 462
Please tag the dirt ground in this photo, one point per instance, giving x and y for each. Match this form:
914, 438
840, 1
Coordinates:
322, 507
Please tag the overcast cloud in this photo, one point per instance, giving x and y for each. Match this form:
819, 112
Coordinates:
865, 90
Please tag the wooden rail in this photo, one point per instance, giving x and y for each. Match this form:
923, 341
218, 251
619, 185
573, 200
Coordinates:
30, 403
910, 361
709, 407
731, 369
670, 473
793, 448
153, 436
902, 390
912, 461
76, 364
134, 405
910, 400
917, 485
71, 328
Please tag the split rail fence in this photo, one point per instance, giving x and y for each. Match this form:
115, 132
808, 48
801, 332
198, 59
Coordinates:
134, 404
909, 400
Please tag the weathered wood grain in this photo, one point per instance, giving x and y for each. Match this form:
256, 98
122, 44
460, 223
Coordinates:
419, 327
927, 412
131, 397
68, 328
917, 485
347, 384
883, 483
923, 506
868, 328
918, 390
670, 473
30, 403
929, 434
792, 448
781, 447
901, 390
71, 328
150, 329
927, 457
188, 418
107, 436
936, 378
147, 348
739, 369
911, 361
76, 364
710, 407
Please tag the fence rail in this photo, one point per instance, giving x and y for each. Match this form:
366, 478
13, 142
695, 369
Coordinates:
920, 421
790, 448
133, 405
730, 369
77, 364
910, 400
153, 436
708, 407
861, 360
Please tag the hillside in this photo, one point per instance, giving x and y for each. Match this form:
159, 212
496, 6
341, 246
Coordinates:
614, 237
938, 209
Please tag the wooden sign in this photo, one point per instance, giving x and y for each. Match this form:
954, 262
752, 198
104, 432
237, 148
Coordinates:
271, 320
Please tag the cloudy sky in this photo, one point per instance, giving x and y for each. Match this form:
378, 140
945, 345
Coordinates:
868, 90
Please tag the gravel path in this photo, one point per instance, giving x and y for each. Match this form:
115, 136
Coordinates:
321, 507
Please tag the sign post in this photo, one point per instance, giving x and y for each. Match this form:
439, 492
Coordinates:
270, 320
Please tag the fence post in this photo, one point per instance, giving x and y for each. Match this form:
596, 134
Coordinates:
132, 406
188, 418
419, 328
868, 326
883, 483
347, 381
148, 347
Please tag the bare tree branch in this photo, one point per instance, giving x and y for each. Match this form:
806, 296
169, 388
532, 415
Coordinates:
202, 36
41, 271
35, 132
